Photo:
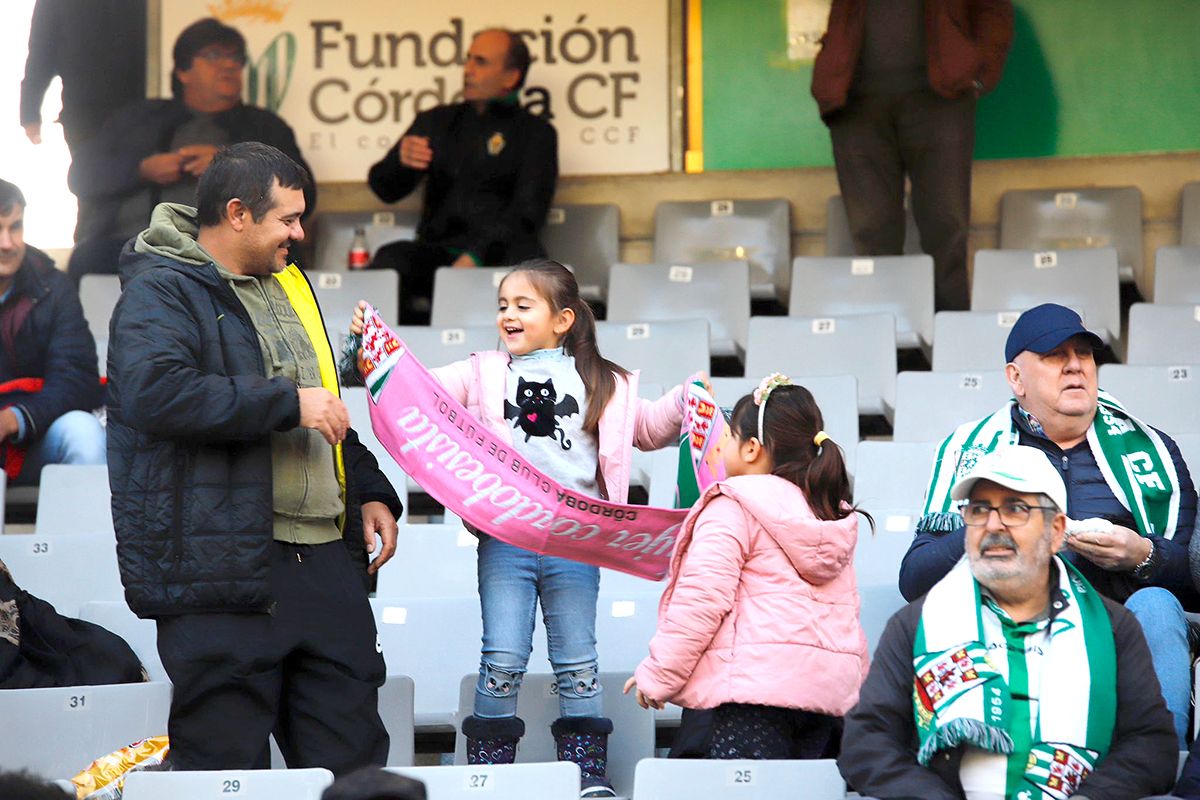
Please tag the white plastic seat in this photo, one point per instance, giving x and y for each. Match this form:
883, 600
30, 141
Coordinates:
466, 297
929, 405
1064, 219
1189, 446
900, 285
702, 231
293, 784
57, 732
537, 704
1085, 280
1163, 334
877, 561
703, 779
970, 340
552, 781
1177, 272
1166, 397
839, 242
65, 571
665, 352
718, 292
140, 634
339, 292
587, 239
99, 295
436, 347
893, 474
73, 499
431, 561
334, 233
804, 347
358, 404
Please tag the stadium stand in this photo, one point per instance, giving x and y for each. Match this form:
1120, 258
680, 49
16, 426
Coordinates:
666, 352
74, 498
930, 404
339, 293
1163, 334
140, 634
970, 340
65, 571
334, 233
586, 238
1167, 396
98, 294
838, 241
549, 781
294, 784
702, 779
465, 297
892, 474
877, 560
1177, 273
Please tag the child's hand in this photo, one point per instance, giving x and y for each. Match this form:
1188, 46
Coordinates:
642, 700
359, 320
702, 376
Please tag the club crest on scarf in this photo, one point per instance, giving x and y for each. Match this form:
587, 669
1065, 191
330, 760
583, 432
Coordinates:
379, 353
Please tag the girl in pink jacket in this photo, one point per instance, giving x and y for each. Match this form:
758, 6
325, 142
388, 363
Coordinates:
759, 619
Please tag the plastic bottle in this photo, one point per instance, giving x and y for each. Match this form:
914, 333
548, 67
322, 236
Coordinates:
359, 256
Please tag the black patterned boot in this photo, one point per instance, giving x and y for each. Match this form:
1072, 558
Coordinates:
492, 741
584, 740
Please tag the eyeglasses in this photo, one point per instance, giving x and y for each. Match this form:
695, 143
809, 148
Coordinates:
215, 54
1012, 514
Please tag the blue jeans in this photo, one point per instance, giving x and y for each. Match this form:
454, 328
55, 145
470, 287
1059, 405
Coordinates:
1165, 628
76, 437
510, 582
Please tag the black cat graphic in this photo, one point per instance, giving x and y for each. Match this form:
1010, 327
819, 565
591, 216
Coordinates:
538, 409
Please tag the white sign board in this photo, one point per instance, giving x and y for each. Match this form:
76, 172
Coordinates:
350, 77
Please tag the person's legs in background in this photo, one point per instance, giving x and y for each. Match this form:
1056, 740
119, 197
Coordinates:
1165, 627
76, 437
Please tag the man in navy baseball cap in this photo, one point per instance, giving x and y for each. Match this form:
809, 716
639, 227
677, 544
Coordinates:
1045, 327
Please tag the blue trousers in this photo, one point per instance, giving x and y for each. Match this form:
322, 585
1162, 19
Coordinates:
1165, 628
76, 437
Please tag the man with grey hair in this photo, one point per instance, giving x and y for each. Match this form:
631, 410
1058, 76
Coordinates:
1013, 677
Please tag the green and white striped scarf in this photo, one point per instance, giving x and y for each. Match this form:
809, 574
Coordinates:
1131, 455
964, 681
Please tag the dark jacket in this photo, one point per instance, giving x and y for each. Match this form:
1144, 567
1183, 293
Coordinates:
489, 186
105, 170
879, 745
43, 335
932, 554
189, 454
965, 41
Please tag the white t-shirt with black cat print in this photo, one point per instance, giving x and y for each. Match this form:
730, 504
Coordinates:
545, 406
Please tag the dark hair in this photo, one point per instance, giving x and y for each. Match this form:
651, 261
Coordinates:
372, 783
790, 422
557, 285
10, 195
246, 171
197, 36
517, 57
26, 786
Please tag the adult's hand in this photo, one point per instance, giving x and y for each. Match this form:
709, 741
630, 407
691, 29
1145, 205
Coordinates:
465, 261
377, 519
33, 132
196, 158
161, 168
415, 152
1119, 551
9, 426
323, 412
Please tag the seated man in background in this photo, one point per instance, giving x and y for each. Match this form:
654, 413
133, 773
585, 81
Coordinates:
155, 151
49, 382
491, 168
1130, 498
1012, 677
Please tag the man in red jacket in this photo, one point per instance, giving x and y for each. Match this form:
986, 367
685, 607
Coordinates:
897, 82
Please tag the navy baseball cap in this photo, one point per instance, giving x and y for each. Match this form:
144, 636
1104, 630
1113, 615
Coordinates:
1045, 327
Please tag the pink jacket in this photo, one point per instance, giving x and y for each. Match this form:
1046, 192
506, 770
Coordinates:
760, 606
480, 384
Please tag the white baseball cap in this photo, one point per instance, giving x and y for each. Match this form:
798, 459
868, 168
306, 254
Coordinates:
1023, 469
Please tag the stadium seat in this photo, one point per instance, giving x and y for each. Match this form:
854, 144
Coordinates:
140, 634
970, 340
431, 561
434, 641
1189, 215
99, 295
293, 784
65, 571
74, 498
836, 396
335, 233
839, 242
1166, 397
718, 292
537, 704
1189, 446
666, 353
877, 565
900, 285
1086, 280
358, 404
702, 231
804, 347
1177, 272
1065, 219
931, 404
587, 239
551, 781
703, 779
463, 297
339, 292
436, 347
396, 698
893, 474
57, 732
102, 354
1163, 334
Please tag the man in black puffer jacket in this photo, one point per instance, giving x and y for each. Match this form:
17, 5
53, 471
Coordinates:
241, 498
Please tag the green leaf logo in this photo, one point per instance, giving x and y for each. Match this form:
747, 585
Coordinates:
271, 74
